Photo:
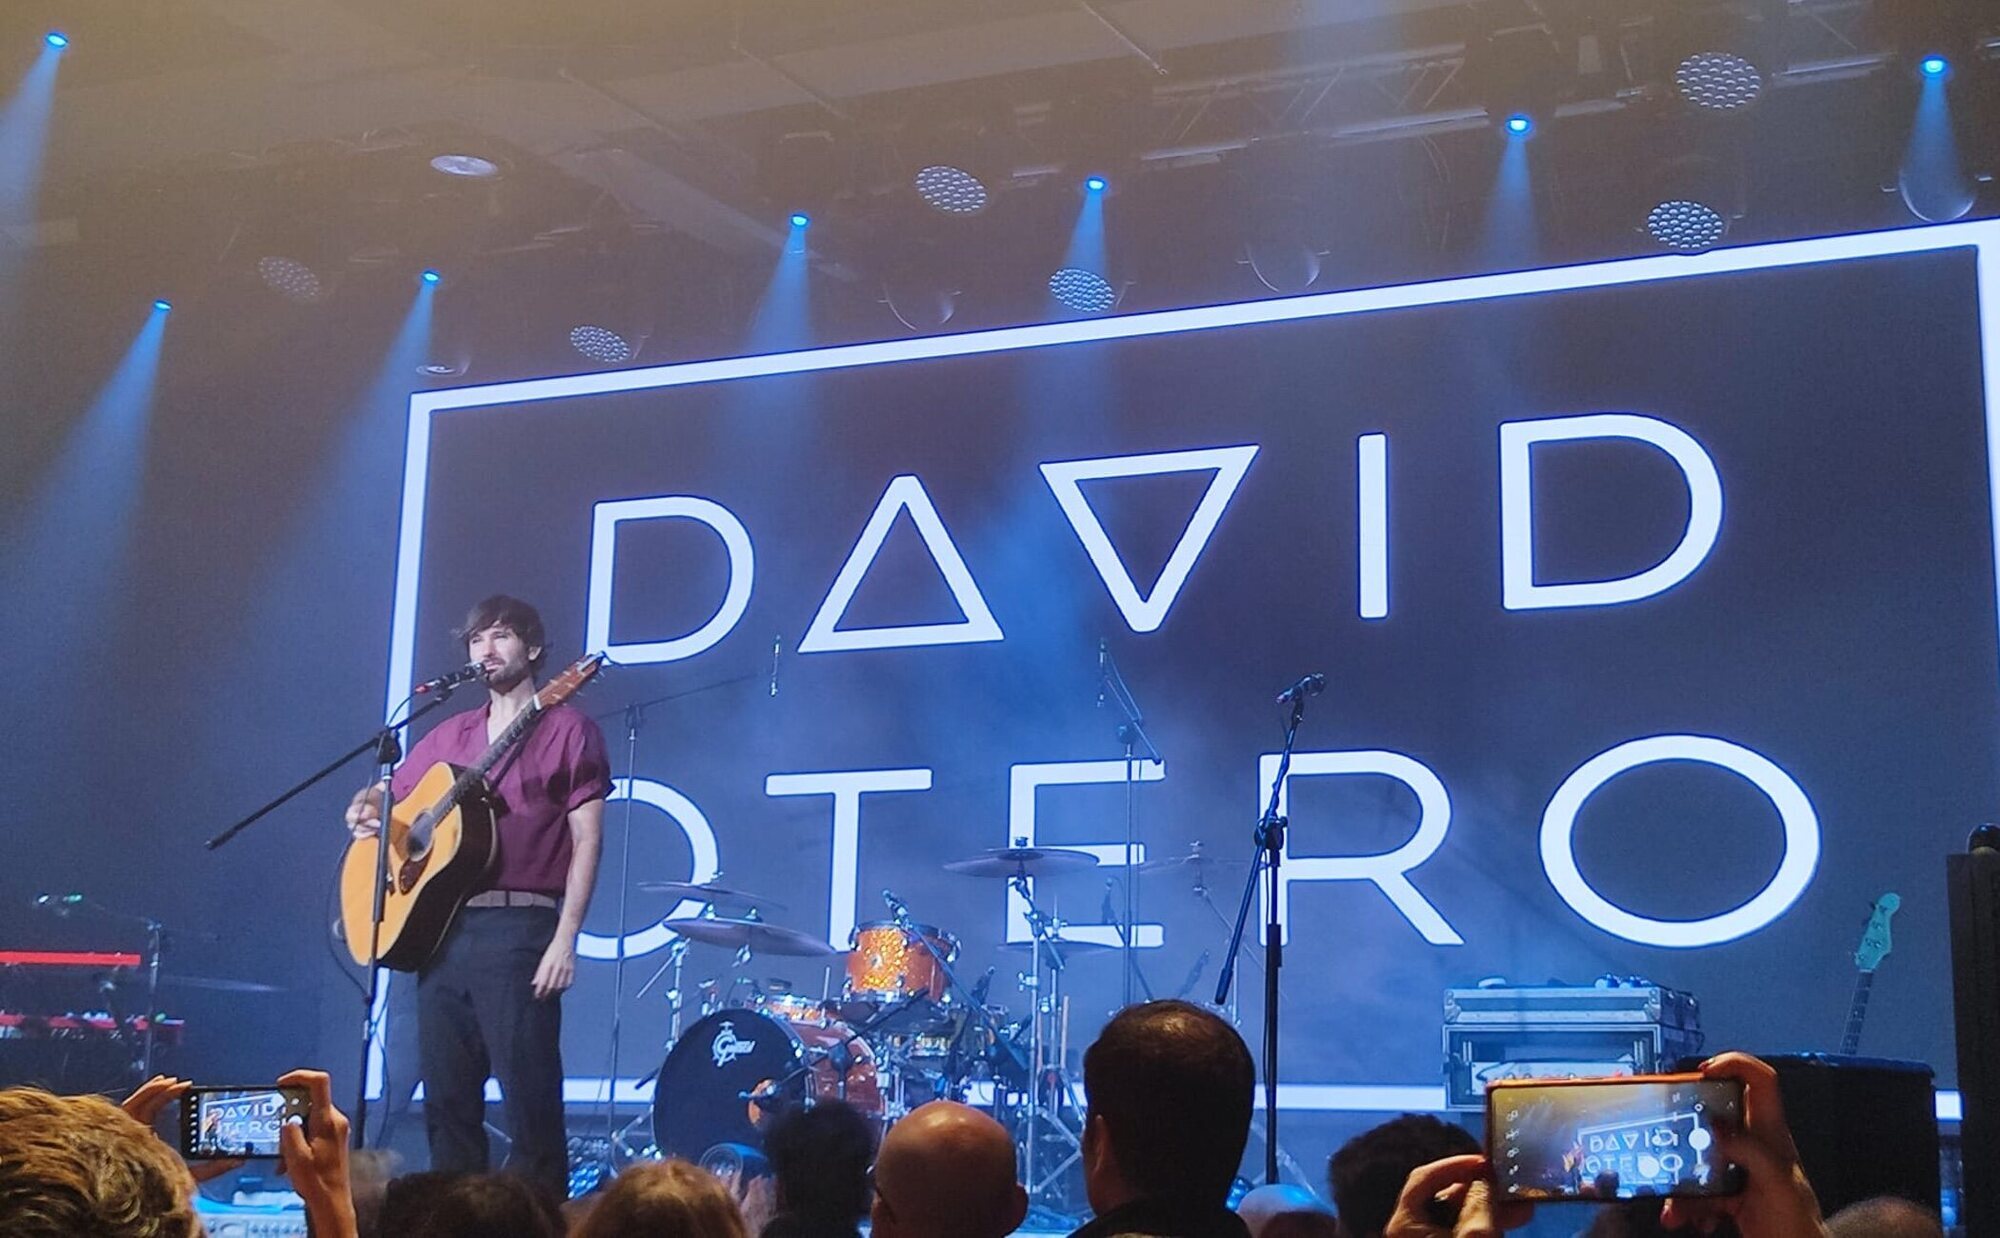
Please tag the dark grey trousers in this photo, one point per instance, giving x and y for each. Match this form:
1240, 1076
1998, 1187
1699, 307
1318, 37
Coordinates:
477, 1016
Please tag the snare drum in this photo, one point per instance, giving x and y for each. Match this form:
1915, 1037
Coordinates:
792, 1008
702, 1097
887, 962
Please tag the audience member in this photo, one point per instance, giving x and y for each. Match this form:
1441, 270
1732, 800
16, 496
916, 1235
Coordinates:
1264, 1202
1366, 1176
1300, 1224
947, 1171
669, 1200
1885, 1216
78, 1167
820, 1158
1169, 1087
1453, 1198
456, 1205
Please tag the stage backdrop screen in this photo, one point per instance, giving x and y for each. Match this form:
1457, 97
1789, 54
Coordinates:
1655, 601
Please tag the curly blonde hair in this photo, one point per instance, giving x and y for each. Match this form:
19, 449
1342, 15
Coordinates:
80, 1167
669, 1200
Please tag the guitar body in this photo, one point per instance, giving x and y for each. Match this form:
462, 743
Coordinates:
427, 884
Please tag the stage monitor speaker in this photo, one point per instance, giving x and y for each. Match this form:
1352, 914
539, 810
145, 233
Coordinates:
1865, 1127
1972, 886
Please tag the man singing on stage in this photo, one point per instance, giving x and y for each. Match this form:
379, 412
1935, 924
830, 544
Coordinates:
488, 1001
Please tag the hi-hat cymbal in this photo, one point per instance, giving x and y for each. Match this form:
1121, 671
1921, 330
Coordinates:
1022, 861
710, 892
762, 938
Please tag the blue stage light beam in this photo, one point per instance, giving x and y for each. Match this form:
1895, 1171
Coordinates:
783, 318
1933, 180
69, 541
1086, 250
24, 132
1508, 237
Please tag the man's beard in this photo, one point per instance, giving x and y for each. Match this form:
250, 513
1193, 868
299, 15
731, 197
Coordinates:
504, 679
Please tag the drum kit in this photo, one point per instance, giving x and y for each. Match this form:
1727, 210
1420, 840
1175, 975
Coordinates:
902, 1029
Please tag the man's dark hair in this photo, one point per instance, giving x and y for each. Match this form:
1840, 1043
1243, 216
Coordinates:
1172, 1083
524, 619
1367, 1174
820, 1157
449, 1205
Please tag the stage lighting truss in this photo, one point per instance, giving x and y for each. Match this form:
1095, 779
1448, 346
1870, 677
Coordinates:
1086, 292
1686, 226
601, 344
291, 279
1718, 81
951, 190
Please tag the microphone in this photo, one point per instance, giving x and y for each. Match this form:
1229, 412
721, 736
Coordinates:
445, 683
896, 905
60, 904
1106, 910
1103, 668
980, 990
777, 648
1308, 685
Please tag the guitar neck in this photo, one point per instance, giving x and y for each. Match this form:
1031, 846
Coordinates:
1856, 1012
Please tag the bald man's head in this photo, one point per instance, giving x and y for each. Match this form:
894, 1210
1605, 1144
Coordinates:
947, 1170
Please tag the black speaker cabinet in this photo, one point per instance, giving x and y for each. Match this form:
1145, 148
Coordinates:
1864, 1126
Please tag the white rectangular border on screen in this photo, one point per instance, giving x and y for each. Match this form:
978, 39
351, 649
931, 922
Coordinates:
1982, 236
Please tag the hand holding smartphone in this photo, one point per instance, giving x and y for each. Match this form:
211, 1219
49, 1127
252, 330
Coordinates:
1598, 1140
227, 1122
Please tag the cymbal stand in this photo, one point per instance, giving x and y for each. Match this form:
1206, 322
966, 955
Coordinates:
1045, 930
1131, 736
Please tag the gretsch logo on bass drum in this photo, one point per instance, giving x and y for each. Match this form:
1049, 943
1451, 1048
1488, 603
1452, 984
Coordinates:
727, 1047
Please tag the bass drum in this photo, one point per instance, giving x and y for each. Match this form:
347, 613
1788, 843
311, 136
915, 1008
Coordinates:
703, 1096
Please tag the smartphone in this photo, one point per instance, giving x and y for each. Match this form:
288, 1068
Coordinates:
1631, 1137
219, 1122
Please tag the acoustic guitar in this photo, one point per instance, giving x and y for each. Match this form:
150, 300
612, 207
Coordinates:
1868, 956
441, 844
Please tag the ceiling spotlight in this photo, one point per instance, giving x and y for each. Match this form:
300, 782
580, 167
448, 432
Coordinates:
954, 191
163, 305
1718, 81
56, 39
1096, 184
430, 277
800, 219
1520, 124
465, 165
291, 279
1686, 226
600, 344
1933, 66
1086, 292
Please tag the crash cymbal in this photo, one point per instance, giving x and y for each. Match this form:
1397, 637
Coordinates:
214, 984
1193, 857
1067, 945
1024, 861
710, 892
762, 938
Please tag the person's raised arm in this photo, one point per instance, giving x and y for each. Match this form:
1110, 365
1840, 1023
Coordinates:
315, 1158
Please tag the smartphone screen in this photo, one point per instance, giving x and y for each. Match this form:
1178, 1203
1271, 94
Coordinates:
1609, 1139
221, 1122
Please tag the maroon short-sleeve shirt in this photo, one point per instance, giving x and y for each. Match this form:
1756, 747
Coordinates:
558, 768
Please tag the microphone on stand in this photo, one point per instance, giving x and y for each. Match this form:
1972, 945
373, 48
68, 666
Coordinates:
980, 989
897, 906
1308, 685
446, 682
1103, 668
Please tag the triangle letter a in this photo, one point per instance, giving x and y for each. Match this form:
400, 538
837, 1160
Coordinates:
904, 493
1147, 613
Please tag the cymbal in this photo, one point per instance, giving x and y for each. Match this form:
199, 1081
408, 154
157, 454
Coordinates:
218, 984
1067, 945
1195, 857
762, 938
1024, 861
710, 892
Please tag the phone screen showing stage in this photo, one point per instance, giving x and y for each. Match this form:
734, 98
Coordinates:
1611, 1139
228, 1122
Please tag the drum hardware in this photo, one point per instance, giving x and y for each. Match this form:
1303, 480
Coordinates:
1023, 860
711, 893
749, 935
733, 1069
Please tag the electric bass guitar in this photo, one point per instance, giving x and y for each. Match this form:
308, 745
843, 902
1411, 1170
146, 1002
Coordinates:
1868, 956
441, 844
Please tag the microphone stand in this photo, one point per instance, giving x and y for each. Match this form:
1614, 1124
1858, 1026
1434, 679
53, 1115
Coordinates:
1270, 840
1131, 734
388, 750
